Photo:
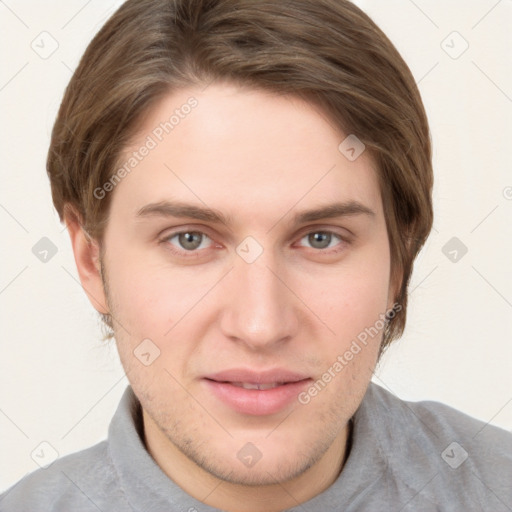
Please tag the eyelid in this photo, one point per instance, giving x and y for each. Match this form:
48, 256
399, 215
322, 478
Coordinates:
300, 234
170, 232
342, 232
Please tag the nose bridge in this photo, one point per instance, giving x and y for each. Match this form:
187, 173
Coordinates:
259, 309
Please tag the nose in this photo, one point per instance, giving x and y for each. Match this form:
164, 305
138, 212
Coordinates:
260, 308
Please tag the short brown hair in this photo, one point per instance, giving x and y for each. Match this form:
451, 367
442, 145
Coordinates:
326, 51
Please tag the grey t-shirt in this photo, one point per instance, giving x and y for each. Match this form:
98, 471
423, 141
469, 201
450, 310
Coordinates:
404, 456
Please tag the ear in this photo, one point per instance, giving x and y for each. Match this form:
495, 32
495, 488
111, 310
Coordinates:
87, 259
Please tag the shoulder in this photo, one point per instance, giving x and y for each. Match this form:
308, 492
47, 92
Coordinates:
81, 481
434, 421
455, 450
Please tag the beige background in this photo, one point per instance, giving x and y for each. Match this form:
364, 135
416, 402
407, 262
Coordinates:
59, 385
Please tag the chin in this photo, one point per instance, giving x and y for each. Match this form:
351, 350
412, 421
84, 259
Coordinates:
268, 472
266, 462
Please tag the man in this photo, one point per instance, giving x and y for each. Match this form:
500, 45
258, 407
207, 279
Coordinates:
246, 186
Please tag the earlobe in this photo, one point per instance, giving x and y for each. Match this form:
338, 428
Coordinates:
87, 258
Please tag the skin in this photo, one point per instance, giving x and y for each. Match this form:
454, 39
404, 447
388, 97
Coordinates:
259, 158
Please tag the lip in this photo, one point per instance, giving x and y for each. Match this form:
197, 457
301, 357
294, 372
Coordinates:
256, 402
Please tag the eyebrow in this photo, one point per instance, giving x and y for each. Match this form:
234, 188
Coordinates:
184, 210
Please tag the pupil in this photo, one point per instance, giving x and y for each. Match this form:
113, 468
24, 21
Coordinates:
191, 240
324, 239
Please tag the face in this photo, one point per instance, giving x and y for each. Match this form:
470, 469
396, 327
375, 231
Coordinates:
245, 255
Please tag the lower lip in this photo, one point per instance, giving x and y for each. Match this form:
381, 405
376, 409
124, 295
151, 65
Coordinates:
255, 401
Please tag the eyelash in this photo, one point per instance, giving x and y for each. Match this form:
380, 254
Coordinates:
197, 252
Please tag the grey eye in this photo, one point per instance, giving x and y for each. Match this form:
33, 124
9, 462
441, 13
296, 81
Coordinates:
320, 239
189, 240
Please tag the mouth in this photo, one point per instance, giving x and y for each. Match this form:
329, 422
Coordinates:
256, 393
260, 387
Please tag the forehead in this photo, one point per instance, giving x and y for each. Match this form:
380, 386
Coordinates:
241, 151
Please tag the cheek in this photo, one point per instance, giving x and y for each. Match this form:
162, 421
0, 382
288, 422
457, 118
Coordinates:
150, 305
353, 309
351, 299
155, 300
141, 293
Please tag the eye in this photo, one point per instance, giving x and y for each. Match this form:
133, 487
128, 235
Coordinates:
191, 243
188, 240
322, 239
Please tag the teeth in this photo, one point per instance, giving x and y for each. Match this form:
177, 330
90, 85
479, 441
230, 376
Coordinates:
250, 385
